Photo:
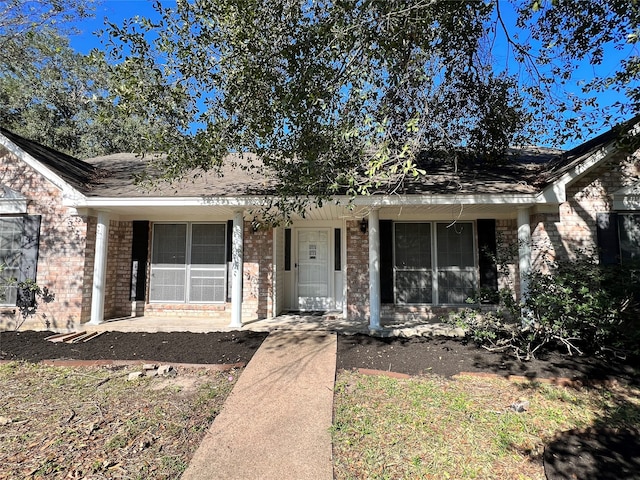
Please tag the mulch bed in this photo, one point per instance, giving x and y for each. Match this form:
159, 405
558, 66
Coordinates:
175, 347
449, 357
412, 356
600, 453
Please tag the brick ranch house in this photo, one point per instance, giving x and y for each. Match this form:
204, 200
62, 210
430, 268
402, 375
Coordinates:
109, 249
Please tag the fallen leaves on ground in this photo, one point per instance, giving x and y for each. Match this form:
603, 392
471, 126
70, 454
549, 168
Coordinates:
91, 422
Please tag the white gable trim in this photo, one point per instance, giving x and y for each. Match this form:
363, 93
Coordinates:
557, 191
68, 191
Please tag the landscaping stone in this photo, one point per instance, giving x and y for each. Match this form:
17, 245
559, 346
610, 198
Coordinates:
167, 371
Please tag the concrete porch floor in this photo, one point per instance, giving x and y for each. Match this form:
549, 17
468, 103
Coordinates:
330, 321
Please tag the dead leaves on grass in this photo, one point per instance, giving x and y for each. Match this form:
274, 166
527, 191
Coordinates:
90, 422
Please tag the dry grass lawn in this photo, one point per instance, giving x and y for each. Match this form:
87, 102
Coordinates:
92, 423
461, 428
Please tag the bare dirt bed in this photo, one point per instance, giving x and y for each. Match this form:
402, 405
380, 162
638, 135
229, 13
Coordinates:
413, 356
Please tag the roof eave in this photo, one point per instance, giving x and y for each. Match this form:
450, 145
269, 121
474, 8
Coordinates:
556, 190
68, 191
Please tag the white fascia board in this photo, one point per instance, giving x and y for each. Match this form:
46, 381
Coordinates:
255, 201
97, 202
52, 177
468, 199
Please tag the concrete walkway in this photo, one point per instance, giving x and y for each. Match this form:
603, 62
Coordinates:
275, 423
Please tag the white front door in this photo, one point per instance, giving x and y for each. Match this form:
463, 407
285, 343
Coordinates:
313, 269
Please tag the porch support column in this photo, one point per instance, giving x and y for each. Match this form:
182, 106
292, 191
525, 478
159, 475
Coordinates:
524, 254
100, 269
374, 270
237, 264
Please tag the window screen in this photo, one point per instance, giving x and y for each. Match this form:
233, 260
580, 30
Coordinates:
412, 263
456, 262
188, 263
10, 255
418, 277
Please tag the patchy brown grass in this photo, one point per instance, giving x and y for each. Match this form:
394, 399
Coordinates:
91, 422
461, 428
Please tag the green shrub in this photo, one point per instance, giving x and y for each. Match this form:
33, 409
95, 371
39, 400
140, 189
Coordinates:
579, 305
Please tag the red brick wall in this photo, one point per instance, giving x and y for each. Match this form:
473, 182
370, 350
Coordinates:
507, 246
257, 290
118, 283
357, 256
573, 228
61, 256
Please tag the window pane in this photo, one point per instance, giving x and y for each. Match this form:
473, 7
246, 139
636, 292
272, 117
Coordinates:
169, 244
337, 257
455, 286
208, 244
413, 286
167, 285
287, 249
168, 263
206, 272
629, 238
207, 285
456, 263
413, 275
10, 254
455, 245
413, 245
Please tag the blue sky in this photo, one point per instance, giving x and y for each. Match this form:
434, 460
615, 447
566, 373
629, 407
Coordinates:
116, 11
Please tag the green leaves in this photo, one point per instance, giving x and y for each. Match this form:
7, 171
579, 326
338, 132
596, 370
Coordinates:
345, 96
334, 97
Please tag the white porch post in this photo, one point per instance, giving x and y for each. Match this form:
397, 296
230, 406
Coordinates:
237, 263
374, 270
524, 253
100, 269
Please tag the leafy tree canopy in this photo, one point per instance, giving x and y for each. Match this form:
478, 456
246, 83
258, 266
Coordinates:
53, 95
343, 95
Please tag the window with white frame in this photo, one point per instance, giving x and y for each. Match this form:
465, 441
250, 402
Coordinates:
188, 263
434, 263
11, 229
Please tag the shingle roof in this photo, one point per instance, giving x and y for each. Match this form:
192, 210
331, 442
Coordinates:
238, 176
115, 175
77, 173
573, 157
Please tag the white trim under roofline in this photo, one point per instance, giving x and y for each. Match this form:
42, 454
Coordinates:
443, 199
254, 201
67, 189
201, 201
